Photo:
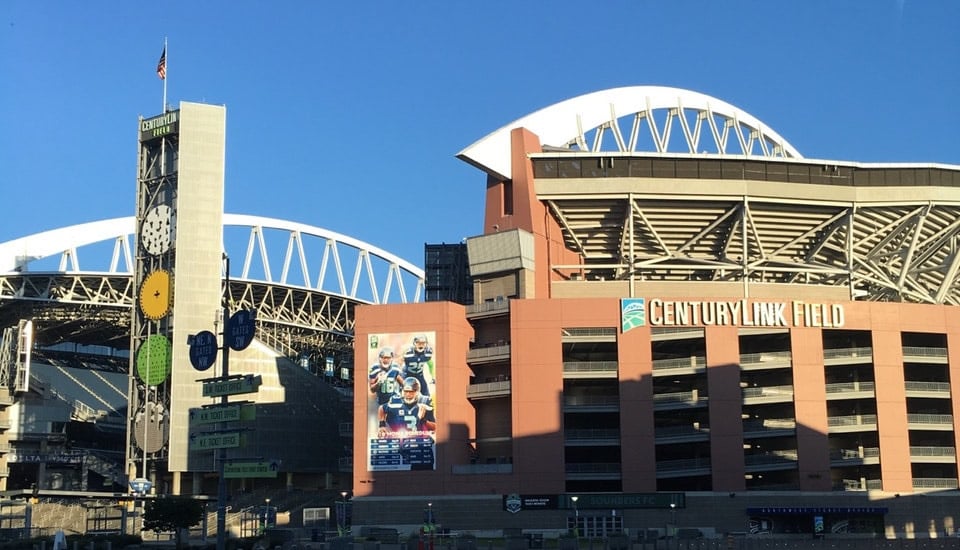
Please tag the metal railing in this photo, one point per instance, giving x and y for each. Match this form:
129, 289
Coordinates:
768, 391
921, 351
692, 396
681, 431
477, 469
488, 352
931, 387
772, 457
852, 420
683, 464
494, 306
934, 451
593, 468
657, 331
591, 400
929, 419
589, 332
581, 434
848, 387
486, 389
860, 485
934, 483
848, 353
694, 361
769, 424
766, 357
590, 366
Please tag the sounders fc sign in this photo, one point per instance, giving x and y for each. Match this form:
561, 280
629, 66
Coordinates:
741, 313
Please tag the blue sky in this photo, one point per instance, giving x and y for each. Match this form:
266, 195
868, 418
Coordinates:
348, 115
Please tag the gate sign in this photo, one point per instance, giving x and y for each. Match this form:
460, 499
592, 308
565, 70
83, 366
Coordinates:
203, 350
263, 469
140, 485
240, 329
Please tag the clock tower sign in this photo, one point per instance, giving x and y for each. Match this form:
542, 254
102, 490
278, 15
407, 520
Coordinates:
179, 238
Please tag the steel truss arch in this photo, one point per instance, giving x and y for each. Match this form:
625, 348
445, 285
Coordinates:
378, 276
908, 251
309, 306
581, 124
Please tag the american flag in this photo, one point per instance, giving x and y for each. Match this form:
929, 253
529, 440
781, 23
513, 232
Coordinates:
162, 65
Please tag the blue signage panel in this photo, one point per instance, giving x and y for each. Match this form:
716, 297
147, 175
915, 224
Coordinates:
240, 329
203, 350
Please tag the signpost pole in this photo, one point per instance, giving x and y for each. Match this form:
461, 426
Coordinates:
221, 454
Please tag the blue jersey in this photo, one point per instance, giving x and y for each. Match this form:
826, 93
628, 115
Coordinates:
385, 383
417, 364
401, 416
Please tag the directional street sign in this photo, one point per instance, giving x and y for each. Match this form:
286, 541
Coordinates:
214, 440
203, 350
222, 413
240, 329
263, 468
233, 385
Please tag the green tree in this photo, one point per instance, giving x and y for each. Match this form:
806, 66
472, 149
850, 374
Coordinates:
172, 513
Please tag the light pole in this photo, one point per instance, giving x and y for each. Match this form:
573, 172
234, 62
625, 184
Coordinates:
342, 515
576, 516
673, 520
430, 522
266, 514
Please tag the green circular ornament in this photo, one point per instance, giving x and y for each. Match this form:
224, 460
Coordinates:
153, 359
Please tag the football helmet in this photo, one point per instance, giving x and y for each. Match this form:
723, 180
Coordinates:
411, 390
420, 342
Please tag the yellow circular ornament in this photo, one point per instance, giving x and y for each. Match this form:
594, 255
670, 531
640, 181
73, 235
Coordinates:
155, 295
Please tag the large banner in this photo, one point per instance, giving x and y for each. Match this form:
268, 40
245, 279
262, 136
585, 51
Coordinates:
401, 401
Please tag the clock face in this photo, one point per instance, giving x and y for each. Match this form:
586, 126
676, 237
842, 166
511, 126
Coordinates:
153, 359
156, 233
155, 295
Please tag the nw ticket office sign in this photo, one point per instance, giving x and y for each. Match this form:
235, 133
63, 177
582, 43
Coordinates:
213, 414
658, 312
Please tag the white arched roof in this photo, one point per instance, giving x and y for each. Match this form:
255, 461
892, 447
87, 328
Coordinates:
328, 270
55, 241
566, 123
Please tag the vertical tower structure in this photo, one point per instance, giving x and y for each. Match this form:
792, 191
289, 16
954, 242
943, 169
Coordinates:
178, 274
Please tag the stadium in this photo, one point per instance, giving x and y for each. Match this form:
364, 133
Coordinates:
673, 324
678, 325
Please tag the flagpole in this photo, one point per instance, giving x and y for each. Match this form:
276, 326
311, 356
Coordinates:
166, 61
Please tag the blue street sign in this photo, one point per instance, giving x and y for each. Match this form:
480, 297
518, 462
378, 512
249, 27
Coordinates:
203, 350
240, 329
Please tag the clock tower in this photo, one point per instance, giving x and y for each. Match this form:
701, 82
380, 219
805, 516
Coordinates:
178, 277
